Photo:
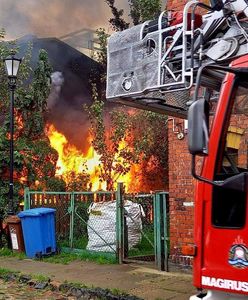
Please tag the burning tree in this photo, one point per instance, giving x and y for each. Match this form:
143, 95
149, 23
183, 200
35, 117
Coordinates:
147, 133
130, 138
37, 156
71, 165
109, 142
34, 159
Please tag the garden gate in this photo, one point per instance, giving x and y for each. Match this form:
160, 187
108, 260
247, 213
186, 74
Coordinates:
150, 229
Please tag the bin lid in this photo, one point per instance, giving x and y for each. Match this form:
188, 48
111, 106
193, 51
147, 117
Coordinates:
36, 212
12, 220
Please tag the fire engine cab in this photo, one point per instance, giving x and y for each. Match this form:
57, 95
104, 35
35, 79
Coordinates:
157, 66
218, 133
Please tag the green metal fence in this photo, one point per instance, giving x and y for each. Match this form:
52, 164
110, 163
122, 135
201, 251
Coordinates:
143, 230
161, 236
74, 221
130, 227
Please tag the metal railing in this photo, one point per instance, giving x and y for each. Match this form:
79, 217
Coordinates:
139, 234
71, 213
150, 230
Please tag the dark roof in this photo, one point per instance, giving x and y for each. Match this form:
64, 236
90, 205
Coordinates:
67, 114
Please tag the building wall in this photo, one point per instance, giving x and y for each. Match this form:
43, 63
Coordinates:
181, 193
181, 183
176, 5
181, 186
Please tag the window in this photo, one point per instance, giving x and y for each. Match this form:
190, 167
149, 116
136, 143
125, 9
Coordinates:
229, 205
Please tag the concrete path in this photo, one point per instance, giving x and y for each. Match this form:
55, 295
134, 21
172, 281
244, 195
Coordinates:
143, 282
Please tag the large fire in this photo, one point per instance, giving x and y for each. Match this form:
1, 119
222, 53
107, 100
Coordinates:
73, 160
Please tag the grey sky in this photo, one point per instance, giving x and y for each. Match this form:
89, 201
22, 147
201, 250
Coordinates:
53, 17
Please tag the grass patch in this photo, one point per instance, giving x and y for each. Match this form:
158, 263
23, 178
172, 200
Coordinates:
144, 247
67, 257
6, 252
4, 273
40, 278
62, 258
80, 243
118, 292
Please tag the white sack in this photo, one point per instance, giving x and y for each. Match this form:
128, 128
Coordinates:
101, 225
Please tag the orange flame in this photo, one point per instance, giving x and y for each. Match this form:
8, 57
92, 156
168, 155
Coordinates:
73, 160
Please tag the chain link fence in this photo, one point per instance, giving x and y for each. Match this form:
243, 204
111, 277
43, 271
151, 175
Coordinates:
114, 223
80, 218
93, 221
139, 227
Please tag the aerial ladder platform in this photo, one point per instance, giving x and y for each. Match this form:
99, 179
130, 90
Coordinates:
153, 66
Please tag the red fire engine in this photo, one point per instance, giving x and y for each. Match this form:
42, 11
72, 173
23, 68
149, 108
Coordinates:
157, 66
220, 134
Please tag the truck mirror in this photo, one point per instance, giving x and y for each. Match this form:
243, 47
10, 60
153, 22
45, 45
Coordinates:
198, 121
237, 182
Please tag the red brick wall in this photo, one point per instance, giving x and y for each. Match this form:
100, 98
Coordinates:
176, 5
181, 183
181, 193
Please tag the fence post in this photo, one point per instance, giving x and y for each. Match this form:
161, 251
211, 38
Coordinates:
26, 198
161, 231
120, 223
166, 233
71, 211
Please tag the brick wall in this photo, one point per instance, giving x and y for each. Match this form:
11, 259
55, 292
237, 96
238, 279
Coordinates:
181, 193
176, 4
181, 183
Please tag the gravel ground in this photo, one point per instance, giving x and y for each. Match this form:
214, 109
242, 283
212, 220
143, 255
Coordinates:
18, 291
24, 287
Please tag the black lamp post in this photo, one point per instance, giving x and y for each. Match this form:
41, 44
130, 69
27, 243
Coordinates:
12, 66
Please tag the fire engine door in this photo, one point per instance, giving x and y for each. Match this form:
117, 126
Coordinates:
225, 245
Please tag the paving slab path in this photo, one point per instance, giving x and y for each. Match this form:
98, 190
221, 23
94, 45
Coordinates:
137, 280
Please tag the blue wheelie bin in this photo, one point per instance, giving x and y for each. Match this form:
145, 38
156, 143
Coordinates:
38, 226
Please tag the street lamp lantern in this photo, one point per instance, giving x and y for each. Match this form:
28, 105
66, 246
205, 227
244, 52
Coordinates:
12, 66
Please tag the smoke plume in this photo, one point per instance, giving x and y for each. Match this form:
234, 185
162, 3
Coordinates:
57, 83
70, 83
53, 17
65, 106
